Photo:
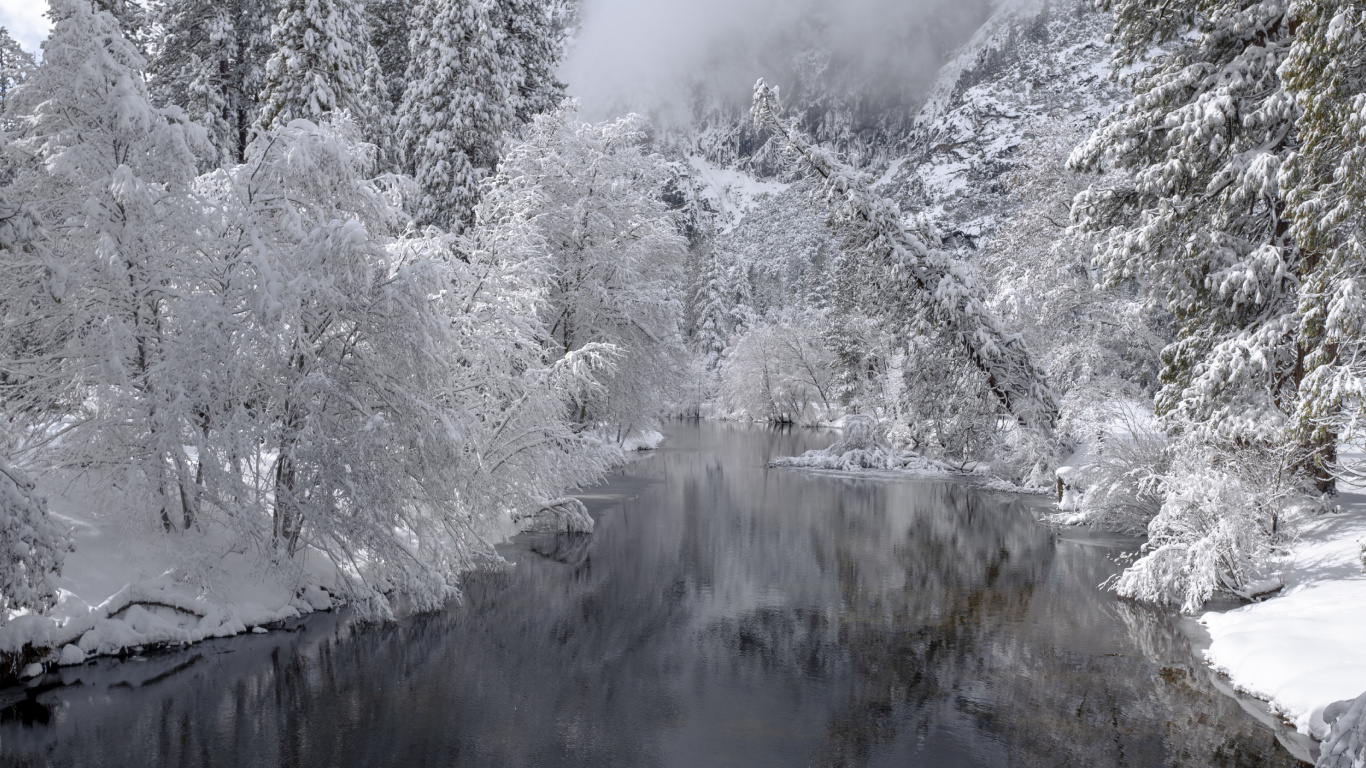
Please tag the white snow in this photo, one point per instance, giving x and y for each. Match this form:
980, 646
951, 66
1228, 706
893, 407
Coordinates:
1305, 648
121, 589
644, 441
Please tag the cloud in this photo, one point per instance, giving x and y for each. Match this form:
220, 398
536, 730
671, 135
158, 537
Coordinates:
26, 21
647, 54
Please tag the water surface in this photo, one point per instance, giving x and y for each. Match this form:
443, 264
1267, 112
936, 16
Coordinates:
721, 614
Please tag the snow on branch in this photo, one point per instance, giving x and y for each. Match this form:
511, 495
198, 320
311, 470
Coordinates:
905, 271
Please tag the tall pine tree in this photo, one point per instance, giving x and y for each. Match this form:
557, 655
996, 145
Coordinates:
458, 103
1325, 192
1193, 209
323, 64
210, 60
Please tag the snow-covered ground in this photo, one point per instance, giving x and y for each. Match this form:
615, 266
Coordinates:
1305, 648
122, 591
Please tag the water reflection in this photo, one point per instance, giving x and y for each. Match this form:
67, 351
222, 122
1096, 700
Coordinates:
722, 614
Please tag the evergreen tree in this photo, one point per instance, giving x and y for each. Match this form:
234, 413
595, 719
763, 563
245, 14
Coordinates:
722, 305
458, 103
323, 64
531, 47
1193, 209
210, 60
1325, 192
388, 21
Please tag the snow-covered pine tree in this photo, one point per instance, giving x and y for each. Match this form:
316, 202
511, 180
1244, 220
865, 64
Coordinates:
459, 100
531, 44
1325, 190
1193, 209
593, 193
134, 20
388, 21
210, 60
100, 315
16, 64
913, 287
721, 306
324, 64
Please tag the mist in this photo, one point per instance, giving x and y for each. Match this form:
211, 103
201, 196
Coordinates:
653, 55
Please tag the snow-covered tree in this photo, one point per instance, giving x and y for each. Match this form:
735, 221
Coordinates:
895, 273
388, 22
614, 254
323, 64
1325, 190
210, 60
1193, 208
780, 371
532, 42
458, 102
721, 306
99, 313
33, 544
389, 402
16, 64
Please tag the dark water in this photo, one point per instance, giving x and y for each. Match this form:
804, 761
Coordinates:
722, 614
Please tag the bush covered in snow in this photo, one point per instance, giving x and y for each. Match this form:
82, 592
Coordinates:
32, 546
1345, 746
1222, 526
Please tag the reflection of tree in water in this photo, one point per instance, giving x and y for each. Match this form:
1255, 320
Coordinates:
985, 625
835, 622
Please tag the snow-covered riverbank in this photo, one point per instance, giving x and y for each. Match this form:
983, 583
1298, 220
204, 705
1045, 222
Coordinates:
122, 592
1305, 648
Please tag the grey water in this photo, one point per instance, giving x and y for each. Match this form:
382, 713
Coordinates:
721, 614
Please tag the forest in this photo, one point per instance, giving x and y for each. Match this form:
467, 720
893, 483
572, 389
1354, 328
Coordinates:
352, 290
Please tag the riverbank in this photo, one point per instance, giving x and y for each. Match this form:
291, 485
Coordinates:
123, 591
1305, 648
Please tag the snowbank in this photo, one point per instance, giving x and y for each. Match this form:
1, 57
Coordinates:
864, 451
120, 591
645, 441
1305, 648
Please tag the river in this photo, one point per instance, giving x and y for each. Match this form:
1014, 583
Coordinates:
721, 614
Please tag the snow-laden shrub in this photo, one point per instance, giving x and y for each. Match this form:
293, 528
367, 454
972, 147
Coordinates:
1220, 527
1345, 746
1118, 485
864, 445
32, 546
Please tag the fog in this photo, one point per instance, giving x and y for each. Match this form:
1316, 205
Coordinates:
649, 55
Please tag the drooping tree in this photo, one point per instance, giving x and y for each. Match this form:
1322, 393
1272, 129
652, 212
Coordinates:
98, 314
613, 256
910, 285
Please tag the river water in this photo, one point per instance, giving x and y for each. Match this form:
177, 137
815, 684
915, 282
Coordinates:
721, 614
